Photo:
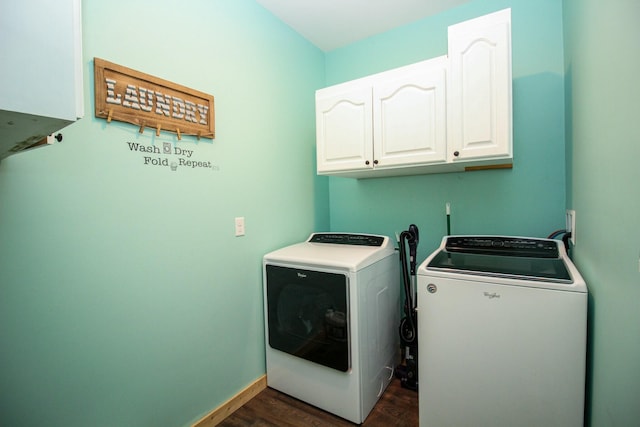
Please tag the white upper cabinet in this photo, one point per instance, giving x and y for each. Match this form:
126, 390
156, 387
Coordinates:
40, 71
409, 115
384, 122
479, 91
445, 114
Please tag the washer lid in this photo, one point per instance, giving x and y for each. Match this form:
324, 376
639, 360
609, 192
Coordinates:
510, 257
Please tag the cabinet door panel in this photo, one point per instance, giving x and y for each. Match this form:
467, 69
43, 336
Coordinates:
480, 88
344, 130
410, 117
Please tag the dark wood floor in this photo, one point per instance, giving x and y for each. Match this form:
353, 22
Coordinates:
396, 407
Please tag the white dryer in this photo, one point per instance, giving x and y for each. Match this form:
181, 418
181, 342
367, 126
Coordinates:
502, 333
332, 309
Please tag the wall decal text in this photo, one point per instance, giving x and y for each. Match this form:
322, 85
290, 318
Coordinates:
170, 156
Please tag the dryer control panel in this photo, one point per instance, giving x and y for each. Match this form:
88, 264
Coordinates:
347, 239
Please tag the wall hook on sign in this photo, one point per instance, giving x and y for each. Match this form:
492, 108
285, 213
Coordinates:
142, 127
178, 132
158, 129
109, 115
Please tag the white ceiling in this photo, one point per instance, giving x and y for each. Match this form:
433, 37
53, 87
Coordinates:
330, 24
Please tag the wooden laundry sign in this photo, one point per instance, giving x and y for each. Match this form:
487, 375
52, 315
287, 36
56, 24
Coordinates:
134, 97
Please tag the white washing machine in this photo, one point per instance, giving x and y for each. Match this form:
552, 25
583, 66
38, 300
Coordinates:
332, 309
502, 332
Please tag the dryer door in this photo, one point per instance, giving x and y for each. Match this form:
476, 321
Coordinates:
308, 315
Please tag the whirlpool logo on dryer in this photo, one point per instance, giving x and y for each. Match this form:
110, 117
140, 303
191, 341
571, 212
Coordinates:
302, 275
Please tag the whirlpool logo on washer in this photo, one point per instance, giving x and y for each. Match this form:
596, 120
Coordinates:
491, 295
302, 276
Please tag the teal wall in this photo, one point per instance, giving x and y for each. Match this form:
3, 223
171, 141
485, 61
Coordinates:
125, 298
602, 68
528, 200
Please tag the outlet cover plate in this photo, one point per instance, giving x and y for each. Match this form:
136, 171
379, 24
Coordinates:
571, 224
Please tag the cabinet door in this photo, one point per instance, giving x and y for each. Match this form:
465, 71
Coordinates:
409, 110
479, 89
344, 128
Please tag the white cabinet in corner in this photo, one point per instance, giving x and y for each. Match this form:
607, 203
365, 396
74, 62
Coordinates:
479, 90
40, 71
382, 124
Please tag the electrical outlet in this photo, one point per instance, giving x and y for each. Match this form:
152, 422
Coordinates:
571, 225
240, 226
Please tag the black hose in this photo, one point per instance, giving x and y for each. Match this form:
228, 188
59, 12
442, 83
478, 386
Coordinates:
556, 234
408, 328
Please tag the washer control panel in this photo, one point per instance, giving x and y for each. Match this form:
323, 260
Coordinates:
507, 246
